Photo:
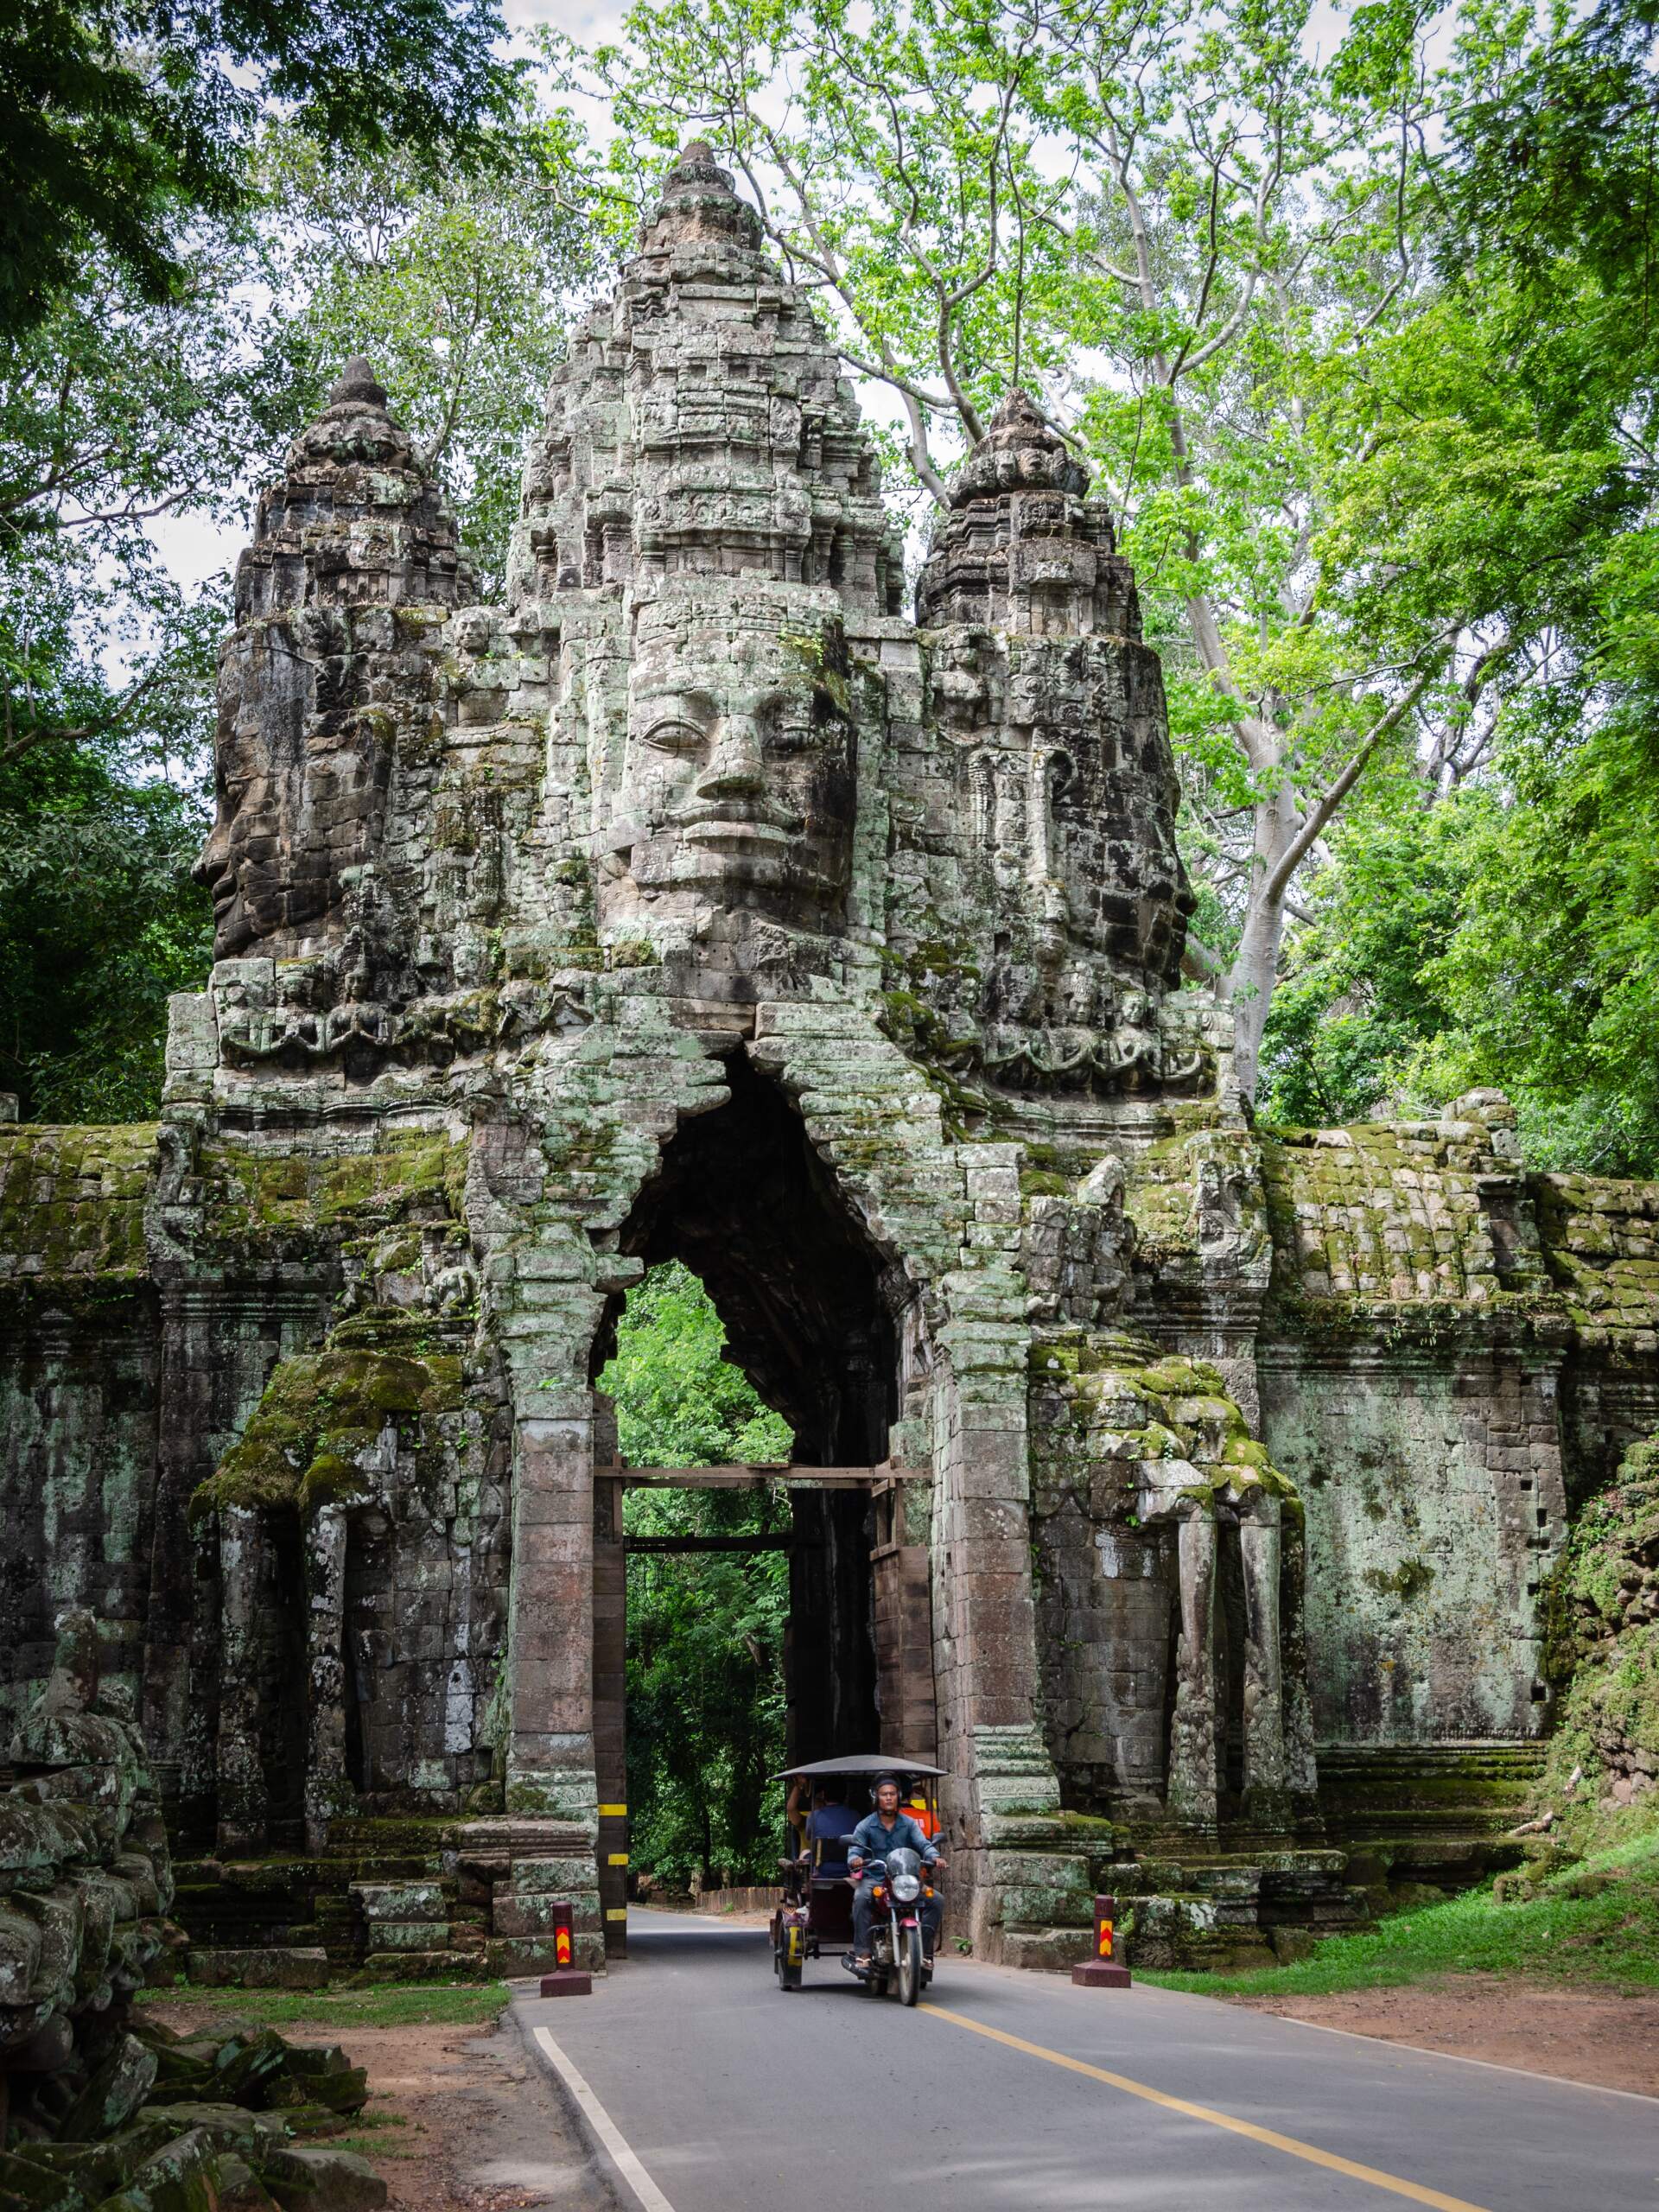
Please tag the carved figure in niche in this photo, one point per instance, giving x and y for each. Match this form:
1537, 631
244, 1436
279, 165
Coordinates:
736, 785
1132, 1052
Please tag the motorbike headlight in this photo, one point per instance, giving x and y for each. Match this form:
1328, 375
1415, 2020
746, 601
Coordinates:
906, 1887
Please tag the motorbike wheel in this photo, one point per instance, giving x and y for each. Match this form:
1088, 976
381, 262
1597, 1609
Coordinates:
910, 1964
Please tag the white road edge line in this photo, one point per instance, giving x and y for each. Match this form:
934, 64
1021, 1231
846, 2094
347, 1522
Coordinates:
616, 2144
1458, 2057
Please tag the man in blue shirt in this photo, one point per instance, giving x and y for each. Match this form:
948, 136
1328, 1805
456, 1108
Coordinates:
883, 1830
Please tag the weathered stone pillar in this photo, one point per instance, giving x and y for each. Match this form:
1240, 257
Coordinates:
1029, 1893
610, 1705
550, 1740
1265, 1773
327, 1786
1192, 1766
243, 1794
198, 1770
1302, 1770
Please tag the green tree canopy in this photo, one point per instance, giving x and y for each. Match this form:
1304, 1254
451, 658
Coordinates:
705, 1635
125, 120
458, 282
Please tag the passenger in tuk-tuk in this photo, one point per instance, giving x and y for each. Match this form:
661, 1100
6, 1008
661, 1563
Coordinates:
828, 1820
883, 1830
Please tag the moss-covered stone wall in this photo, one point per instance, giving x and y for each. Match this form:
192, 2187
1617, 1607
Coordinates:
1448, 1345
80, 1396
1432, 1481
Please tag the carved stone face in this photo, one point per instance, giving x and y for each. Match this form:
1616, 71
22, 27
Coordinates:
736, 782
298, 780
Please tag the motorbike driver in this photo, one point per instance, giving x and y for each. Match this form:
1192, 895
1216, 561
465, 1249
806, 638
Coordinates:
888, 1828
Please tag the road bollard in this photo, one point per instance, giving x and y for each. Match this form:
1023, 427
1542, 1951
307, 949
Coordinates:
1102, 1970
568, 1978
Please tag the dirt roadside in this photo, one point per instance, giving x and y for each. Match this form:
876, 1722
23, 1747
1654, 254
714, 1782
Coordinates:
1598, 2035
458, 2119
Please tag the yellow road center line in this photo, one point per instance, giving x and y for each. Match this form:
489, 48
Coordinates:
1413, 2190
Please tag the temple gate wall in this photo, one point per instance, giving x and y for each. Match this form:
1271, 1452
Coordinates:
1429, 1549
1235, 1438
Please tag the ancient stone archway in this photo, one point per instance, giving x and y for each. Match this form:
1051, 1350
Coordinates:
698, 899
813, 1314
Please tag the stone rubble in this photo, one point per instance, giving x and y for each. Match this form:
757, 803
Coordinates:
100, 2104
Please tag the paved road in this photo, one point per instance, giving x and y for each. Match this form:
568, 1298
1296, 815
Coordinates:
738, 2097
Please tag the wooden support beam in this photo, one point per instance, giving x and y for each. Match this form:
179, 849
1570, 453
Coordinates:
777, 1540
758, 1476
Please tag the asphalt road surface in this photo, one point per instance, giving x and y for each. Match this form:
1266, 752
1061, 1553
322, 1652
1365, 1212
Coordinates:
715, 2091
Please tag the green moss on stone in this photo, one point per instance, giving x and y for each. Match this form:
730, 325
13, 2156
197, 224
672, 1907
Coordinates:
71, 1200
319, 1409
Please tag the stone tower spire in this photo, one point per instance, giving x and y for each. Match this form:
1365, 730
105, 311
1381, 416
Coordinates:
321, 671
353, 467
1024, 548
701, 425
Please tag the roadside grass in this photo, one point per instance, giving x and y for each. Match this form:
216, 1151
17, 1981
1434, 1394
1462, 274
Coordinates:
379, 2004
365, 2137
1597, 1921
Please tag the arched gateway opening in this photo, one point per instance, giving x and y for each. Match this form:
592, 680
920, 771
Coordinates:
811, 1308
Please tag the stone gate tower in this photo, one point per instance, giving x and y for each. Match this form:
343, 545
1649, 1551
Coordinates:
698, 901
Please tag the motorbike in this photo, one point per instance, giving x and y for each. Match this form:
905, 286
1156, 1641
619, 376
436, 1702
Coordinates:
899, 1956
814, 1915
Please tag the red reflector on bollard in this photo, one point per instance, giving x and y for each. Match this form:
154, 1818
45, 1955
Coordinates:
568, 1980
1102, 1970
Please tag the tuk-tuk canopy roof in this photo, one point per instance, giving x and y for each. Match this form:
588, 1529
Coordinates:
863, 1763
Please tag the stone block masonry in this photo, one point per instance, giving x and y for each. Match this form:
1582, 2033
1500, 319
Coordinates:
696, 902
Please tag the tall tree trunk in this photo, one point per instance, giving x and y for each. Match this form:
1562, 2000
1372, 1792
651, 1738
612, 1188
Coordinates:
1249, 986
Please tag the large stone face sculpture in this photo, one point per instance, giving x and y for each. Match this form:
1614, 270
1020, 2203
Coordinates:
734, 792
699, 904
1070, 892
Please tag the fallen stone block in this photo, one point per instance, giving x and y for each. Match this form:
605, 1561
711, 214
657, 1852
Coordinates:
227, 2128
114, 2093
240, 2189
247, 2069
310, 2178
181, 2176
95, 2169
317, 2058
345, 2092
31, 2186
311, 2123
278, 1967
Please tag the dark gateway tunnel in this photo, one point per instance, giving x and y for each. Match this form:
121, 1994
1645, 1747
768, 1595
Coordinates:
744, 1202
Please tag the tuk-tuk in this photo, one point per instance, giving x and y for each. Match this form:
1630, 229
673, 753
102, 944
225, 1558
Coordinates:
814, 1914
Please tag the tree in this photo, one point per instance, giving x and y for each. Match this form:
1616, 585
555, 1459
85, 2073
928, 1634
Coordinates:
705, 1631
1354, 1008
1526, 483
113, 412
889, 150
124, 123
99, 920
458, 284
